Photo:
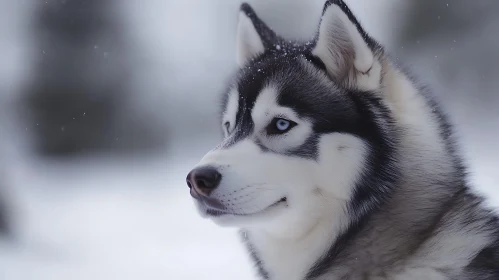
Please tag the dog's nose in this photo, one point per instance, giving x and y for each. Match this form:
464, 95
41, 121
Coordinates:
203, 180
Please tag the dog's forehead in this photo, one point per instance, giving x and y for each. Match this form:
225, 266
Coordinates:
295, 81
274, 71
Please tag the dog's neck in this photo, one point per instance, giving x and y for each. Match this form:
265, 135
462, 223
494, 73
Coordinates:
291, 256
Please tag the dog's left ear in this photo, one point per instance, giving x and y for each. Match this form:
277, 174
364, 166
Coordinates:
254, 37
345, 48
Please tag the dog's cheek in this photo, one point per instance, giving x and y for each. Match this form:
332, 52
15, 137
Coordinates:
341, 162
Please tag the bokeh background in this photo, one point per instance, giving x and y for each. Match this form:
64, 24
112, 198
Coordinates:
106, 104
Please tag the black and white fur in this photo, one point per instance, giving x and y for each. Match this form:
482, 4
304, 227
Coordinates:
365, 183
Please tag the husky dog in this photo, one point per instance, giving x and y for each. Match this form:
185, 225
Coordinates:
335, 165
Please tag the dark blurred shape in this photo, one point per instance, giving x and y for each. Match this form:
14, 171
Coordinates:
456, 41
5, 229
428, 18
452, 45
77, 100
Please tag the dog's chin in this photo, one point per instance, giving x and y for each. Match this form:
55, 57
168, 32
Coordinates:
227, 218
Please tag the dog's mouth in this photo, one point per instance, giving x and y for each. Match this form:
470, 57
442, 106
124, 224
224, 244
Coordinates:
217, 212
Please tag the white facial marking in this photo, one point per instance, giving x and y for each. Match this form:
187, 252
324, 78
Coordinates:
318, 194
341, 160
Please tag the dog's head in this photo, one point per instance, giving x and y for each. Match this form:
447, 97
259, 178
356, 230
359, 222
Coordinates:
304, 128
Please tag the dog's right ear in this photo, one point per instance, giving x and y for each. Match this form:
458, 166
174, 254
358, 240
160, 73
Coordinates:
253, 36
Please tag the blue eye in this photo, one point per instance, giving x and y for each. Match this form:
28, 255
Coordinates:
280, 126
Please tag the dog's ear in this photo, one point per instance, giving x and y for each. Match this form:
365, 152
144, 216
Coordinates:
345, 48
253, 35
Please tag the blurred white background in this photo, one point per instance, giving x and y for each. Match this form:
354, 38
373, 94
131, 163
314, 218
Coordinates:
106, 104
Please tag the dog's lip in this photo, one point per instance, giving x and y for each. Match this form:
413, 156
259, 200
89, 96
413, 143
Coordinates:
218, 212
